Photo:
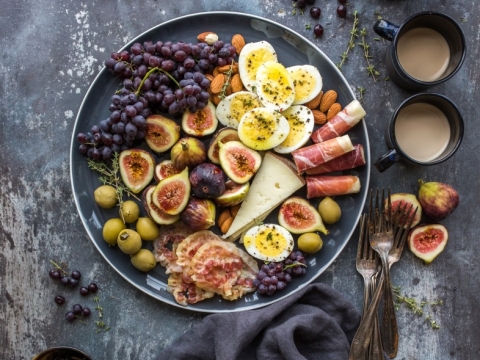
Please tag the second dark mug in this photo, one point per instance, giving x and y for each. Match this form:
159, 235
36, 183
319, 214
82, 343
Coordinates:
426, 50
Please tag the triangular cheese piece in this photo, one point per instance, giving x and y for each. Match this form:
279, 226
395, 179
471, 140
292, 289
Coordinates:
275, 181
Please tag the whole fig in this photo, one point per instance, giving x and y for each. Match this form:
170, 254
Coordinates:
199, 214
208, 181
438, 200
188, 152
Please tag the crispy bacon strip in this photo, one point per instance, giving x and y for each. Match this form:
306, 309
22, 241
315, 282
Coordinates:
350, 160
311, 156
325, 185
340, 123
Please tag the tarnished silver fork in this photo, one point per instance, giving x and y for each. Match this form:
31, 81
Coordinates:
401, 228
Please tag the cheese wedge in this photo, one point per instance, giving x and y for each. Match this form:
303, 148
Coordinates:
275, 181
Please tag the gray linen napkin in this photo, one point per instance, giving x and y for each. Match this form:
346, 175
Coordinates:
316, 322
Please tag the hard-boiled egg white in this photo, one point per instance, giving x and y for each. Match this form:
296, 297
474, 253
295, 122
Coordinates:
301, 121
231, 109
307, 82
262, 128
268, 242
275, 86
250, 58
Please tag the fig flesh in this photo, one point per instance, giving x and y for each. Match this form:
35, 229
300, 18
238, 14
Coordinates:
153, 212
161, 133
136, 168
427, 241
238, 161
298, 216
188, 152
200, 123
171, 194
165, 169
207, 180
405, 201
199, 214
438, 200
223, 135
233, 195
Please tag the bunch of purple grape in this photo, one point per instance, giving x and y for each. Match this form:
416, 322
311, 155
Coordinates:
276, 275
164, 77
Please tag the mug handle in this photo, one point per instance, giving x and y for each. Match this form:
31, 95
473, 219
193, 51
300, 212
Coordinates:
386, 29
387, 160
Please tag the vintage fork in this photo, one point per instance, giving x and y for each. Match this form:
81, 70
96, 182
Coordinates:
367, 264
401, 228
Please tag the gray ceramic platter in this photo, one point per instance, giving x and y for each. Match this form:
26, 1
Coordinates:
292, 49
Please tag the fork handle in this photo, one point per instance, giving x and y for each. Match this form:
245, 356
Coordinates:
363, 336
389, 327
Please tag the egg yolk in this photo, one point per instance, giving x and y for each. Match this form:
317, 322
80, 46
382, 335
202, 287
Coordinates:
257, 58
304, 84
297, 131
260, 126
275, 87
241, 104
269, 242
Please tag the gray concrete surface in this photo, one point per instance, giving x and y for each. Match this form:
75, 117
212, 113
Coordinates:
51, 52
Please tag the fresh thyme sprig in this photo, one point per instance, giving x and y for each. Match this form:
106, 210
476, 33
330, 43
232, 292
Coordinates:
101, 326
366, 54
416, 306
361, 92
111, 176
351, 42
228, 77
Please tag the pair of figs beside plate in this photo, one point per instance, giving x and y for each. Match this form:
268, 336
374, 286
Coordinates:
436, 200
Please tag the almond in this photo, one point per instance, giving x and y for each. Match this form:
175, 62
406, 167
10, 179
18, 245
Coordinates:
333, 110
239, 42
224, 215
208, 37
226, 225
215, 99
315, 102
209, 77
236, 83
234, 209
217, 83
328, 99
215, 71
226, 68
319, 117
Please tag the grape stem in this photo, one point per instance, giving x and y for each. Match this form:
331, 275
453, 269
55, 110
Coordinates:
58, 267
151, 71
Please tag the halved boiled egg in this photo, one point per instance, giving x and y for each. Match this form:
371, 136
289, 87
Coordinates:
307, 82
250, 58
301, 121
231, 109
268, 242
275, 86
262, 128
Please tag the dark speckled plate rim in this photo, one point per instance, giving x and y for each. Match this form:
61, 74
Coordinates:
358, 197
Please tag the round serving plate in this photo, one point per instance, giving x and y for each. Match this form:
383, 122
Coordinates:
292, 49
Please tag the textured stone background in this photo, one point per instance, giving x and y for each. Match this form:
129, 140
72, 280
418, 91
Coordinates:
51, 52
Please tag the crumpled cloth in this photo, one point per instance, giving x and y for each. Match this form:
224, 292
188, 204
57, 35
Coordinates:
316, 322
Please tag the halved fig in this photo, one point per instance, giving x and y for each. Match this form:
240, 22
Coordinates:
188, 152
199, 214
427, 241
298, 216
136, 168
233, 195
171, 194
238, 161
153, 211
200, 123
161, 133
165, 169
406, 201
207, 180
223, 135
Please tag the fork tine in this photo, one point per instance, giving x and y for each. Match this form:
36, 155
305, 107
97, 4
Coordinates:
406, 230
361, 237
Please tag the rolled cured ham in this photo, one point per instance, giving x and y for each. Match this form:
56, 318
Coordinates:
340, 123
325, 185
350, 160
311, 156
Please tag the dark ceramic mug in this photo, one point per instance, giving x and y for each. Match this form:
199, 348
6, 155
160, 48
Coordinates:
422, 36
426, 129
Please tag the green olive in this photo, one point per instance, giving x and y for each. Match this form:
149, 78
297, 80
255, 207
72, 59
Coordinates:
105, 196
111, 229
310, 242
129, 211
143, 260
329, 210
129, 241
147, 228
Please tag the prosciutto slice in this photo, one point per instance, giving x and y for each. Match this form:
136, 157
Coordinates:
325, 185
314, 155
340, 123
350, 160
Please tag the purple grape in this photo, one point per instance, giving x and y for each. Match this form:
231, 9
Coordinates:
70, 316
60, 300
